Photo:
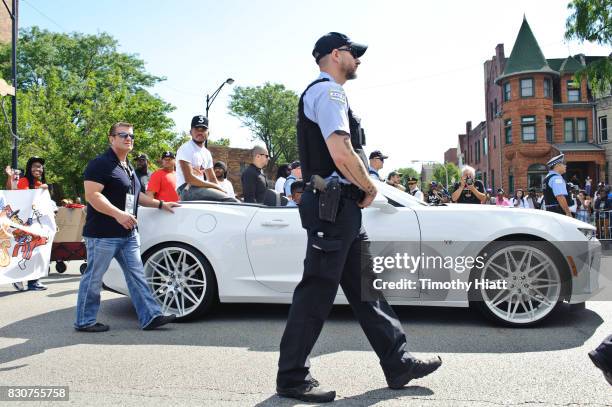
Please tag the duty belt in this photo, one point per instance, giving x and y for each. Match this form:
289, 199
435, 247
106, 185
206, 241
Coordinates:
348, 191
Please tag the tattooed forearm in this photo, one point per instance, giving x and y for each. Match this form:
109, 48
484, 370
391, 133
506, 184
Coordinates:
354, 170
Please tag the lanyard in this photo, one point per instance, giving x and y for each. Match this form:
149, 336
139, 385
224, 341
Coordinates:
131, 176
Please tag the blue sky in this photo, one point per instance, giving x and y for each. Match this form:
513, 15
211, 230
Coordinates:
419, 82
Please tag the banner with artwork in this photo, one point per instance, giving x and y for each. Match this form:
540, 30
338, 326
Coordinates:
27, 227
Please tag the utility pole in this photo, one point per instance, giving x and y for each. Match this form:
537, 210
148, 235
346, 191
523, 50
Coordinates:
13, 13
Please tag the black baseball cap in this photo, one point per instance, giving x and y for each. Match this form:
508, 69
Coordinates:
167, 154
333, 40
199, 121
378, 154
295, 164
413, 180
142, 156
220, 164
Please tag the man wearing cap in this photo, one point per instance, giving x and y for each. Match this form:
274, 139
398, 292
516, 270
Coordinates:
394, 179
555, 188
296, 174
194, 175
142, 171
330, 141
414, 190
220, 169
162, 184
377, 160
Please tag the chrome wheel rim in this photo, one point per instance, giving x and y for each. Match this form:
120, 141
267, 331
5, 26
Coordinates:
532, 284
177, 280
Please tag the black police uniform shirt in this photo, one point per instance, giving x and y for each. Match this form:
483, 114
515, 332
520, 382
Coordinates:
467, 196
106, 169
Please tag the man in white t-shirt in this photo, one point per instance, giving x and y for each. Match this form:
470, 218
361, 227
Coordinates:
221, 174
195, 177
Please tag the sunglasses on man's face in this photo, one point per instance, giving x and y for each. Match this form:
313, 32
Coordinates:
125, 135
350, 50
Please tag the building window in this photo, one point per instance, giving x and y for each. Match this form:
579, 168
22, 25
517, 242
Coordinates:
508, 131
603, 129
547, 88
511, 184
495, 107
527, 88
494, 141
491, 110
528, 129
507, 92
581, 130
485, 149
535, 176
549, 129
493, 179
568, 130
573, 93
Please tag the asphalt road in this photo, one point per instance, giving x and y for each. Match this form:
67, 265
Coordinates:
230, 358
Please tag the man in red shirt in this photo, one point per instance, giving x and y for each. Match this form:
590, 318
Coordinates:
162, 184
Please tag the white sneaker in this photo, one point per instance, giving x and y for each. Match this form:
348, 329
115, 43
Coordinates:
19, 286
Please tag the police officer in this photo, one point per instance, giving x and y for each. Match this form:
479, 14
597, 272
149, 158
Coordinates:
555, 188
330, 143
377, 161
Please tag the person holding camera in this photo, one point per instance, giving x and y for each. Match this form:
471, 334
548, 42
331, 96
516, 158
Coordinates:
469, 190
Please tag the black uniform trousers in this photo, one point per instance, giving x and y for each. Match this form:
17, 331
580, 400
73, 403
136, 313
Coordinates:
337, 254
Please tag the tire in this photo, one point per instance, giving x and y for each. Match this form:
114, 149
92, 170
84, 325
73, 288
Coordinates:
82, 268
181, 280
536, 283
60, 267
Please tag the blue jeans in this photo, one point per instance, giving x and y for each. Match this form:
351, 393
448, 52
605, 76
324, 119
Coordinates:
100, 252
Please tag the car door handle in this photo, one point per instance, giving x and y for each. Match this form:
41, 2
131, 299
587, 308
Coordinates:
275, 222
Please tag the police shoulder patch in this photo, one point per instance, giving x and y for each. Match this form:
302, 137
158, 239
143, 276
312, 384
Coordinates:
337, 94
558, 180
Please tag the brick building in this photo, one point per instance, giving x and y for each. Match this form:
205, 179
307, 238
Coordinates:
474, 147
603, 110
534, 112
450, 156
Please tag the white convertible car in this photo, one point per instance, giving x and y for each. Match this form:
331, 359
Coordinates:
245, 253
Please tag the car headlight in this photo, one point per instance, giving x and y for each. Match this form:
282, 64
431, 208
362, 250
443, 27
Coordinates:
587, 232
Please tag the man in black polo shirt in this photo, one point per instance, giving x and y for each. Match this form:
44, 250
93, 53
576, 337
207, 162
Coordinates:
113, 193
469, 190
254, 183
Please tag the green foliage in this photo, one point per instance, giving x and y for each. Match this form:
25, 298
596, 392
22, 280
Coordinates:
407, 173
591, 20
269, 112
71, 88
225, 142
439, 175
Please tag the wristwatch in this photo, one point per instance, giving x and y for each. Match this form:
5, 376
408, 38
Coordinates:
161, 203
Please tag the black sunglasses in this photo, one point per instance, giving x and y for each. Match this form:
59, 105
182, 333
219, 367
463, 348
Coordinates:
125, 135
349, 49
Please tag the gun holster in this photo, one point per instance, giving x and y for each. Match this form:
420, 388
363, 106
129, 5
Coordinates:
330, 193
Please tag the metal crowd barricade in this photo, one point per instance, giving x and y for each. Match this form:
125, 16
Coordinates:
603, 223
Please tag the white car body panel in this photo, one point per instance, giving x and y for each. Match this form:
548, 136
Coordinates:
257, 252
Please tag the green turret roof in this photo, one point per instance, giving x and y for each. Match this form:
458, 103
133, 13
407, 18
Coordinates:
526, 56
570, 65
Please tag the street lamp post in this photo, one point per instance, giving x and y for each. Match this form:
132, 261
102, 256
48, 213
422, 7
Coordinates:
211, 98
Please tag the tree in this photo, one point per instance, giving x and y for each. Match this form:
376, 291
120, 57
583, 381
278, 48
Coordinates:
269, 112
439, 175
225, 142
591, 20
70, 89
407, 173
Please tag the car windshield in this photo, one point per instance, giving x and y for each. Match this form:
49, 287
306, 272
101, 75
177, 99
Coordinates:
400, 197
